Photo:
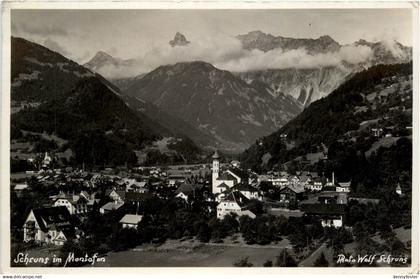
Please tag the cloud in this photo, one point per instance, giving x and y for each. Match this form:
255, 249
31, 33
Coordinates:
48, 30
227, 53
53, 45
395, 49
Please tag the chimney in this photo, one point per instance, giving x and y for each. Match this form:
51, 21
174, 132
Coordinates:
333, 179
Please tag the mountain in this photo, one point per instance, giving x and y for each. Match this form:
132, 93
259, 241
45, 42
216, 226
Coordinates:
232, 112
175, 125
379, 97
387, 52
39, 74
310, 84
179, 40
304, 85
124, 83
266, 42
109, 66
54, 95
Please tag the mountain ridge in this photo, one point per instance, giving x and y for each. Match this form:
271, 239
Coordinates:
68, 100
207, 97
341, 113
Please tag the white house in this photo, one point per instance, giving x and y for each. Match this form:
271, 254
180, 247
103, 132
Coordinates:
176, 179
75, 204
336, 221
343, 187
330, 215
186, 190
398, 190
316, 184
48, 225
20, 187
117, 195
234, 202
131, 220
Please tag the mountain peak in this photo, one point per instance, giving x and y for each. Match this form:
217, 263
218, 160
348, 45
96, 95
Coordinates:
326, 38
256, 35
101, 58
187, 67
362, 42
179, 40
102, 54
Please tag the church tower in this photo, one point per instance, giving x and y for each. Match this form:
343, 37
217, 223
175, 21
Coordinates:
215, 171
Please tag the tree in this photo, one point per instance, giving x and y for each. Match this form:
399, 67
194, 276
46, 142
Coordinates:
204, 233
321, 261
229, 224
243, 263
284, 259
268, 263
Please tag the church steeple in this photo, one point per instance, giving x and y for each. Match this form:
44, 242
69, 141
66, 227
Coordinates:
215, 155
215, 171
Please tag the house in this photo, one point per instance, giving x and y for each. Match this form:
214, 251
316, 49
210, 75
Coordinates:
330, 215
134, 185
332, 197
343, 187
48, 225
225, 181
240, 175
290, 194
377, 132
76, 204
316, 184
235, 163
247, 190
130, 221
287, 196
19, 188
111, 206
185, 191
176, 179
281, 181
234, 202
398, 189
117, 195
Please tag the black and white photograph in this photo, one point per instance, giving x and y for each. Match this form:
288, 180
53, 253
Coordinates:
261, 138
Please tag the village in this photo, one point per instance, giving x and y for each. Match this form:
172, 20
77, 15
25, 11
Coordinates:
222, 189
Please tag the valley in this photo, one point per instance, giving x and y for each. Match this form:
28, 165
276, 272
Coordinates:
240, 150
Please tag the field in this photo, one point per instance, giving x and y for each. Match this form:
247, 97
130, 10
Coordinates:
204, 256
193, 254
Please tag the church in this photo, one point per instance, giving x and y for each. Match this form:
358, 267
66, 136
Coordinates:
222, 181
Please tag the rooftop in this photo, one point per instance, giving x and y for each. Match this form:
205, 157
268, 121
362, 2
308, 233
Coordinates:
237, 197
57, 216
112, 206
215, 155
226, 176
131, 219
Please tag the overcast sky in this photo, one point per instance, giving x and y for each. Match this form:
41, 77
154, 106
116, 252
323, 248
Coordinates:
79, 34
